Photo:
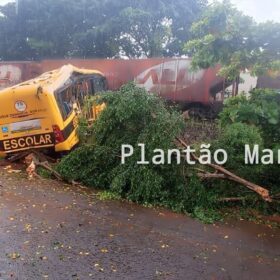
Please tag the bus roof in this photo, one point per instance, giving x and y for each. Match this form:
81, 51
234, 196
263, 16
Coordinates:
50, 81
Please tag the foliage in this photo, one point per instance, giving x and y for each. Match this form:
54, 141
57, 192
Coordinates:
133, 116
91, 28
224, 35
233, 139
107, 195
261, 108
207, 216
253, 120
88, 164
44, 173
198, 196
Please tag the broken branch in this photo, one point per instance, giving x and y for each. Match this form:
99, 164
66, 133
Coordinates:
264, 193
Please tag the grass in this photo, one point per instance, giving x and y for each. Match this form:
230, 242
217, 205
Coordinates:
107, 195
207, 216
247, 214
44, 173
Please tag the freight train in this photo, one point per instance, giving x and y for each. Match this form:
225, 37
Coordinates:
171, 78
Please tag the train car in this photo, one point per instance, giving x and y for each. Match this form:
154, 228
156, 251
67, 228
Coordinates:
12, 73
170, 78
200, 92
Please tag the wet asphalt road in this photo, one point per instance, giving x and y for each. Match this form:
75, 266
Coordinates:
54, 231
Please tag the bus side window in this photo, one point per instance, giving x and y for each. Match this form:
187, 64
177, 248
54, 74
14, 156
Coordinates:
92, 93
99, 84
67, 107
65, 102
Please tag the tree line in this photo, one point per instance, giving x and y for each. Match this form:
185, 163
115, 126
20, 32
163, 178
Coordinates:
90, 28
211, 33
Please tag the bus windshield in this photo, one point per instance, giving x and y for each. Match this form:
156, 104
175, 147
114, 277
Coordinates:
72, 96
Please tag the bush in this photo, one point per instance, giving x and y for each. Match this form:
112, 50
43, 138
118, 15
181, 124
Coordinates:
133, 116
233, 139
253, 120
88, 164
270, 174
261, 109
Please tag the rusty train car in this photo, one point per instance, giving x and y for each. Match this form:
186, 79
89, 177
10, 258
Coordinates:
170, 78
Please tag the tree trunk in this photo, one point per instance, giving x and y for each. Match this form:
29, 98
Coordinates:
235, 86
223, 173
237, 81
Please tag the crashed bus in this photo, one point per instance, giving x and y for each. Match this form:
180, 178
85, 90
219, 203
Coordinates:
43, 113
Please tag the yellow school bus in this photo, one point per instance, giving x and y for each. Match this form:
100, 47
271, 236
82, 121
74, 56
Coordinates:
43, 113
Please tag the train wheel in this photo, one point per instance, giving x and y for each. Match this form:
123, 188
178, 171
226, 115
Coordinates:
211, 114
197, 112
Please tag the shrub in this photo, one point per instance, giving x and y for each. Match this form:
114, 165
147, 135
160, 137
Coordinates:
270, 174
233, 139
261, 109
88, 164
133, 116
246, 121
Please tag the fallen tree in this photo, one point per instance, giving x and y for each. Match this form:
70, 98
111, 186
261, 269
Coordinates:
133, 116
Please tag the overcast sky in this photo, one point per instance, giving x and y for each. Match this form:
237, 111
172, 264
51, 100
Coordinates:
261, 10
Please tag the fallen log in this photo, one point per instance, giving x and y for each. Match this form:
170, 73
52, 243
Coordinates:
264, 193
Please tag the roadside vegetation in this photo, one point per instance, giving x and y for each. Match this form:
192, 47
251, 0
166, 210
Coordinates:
134, 116
212, 34
257, 117
224, 35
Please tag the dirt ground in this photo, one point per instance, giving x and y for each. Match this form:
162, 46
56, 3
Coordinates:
208, 131
54, 231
